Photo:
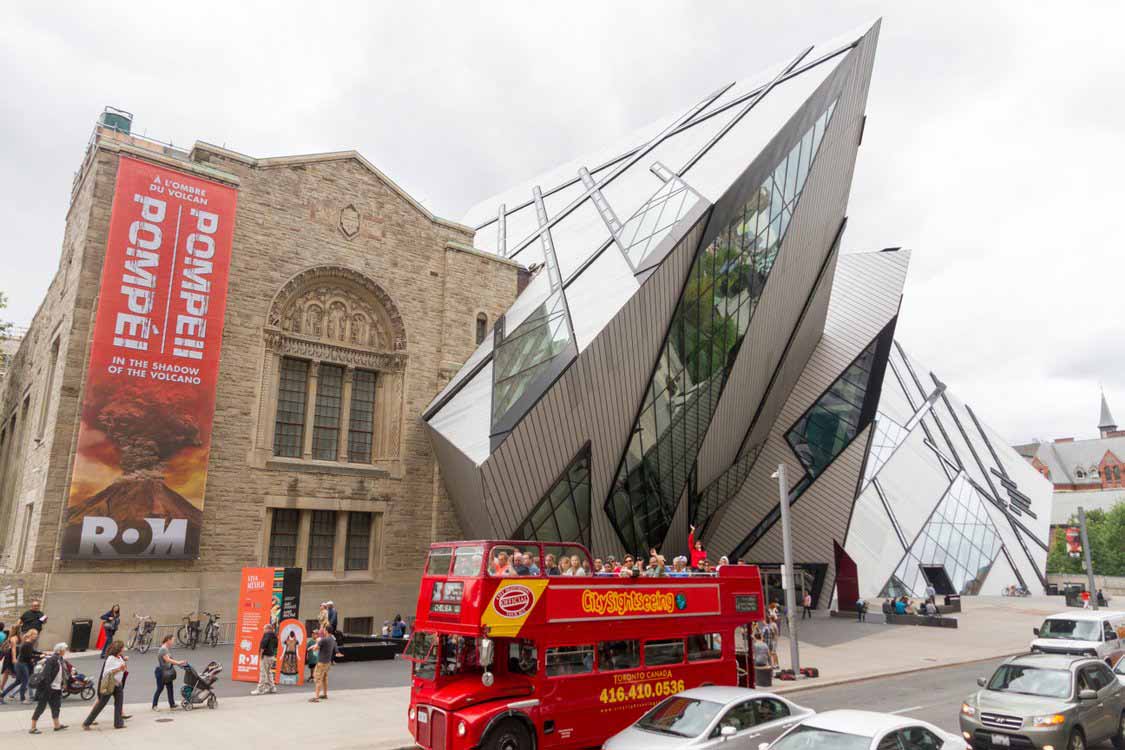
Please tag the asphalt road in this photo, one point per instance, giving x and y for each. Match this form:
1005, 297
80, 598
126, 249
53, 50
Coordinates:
933, 695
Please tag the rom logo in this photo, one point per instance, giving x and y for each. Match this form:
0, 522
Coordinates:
154, 537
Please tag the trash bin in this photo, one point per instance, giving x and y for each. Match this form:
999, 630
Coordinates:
763, 676
80, 634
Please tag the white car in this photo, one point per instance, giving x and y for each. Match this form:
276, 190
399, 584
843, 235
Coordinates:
865, 730
709, 718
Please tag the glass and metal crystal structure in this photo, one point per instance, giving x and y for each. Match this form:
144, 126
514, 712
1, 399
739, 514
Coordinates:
690, 322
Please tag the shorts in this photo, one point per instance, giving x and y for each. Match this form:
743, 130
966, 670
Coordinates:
320, 675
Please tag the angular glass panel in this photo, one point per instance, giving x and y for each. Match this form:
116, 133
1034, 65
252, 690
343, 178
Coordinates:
646, 228
566, 504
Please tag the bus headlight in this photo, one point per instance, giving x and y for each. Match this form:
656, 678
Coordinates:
411, 714
461, 729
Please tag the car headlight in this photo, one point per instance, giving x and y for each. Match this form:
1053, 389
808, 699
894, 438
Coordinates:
967, 710
1050, 720
461, 729
411, 714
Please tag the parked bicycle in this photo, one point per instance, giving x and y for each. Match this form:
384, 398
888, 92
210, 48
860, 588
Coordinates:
191, 633
141, 636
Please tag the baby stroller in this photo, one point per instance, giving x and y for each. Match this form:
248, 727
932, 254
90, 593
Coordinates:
197, 686
77, 683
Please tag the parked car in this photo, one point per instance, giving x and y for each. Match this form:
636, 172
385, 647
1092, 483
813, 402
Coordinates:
865, 730
711, 717
1046, 701
1119, 670
1098, 633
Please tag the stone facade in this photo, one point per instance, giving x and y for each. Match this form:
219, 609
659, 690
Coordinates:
329, 225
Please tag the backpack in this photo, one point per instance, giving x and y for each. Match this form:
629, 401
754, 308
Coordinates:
38, 680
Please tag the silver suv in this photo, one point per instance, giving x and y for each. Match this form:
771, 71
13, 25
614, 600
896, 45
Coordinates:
1046, 702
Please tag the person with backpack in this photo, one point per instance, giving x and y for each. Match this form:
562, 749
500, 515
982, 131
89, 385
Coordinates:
48, 683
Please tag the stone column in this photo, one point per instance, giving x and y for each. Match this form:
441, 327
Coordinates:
267, 402
339, 550
310, 409
345, 415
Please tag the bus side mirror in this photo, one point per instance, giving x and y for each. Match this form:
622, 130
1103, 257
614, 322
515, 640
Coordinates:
485, 652
727, 732
487, 679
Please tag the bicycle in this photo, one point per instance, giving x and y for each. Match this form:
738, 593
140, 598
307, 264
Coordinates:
187, 635
211, 631
141, 637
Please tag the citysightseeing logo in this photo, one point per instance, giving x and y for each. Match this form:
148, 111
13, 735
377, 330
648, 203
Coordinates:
514, 601
623, 603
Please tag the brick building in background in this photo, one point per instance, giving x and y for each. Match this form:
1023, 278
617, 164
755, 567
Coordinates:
349, 306
1088, 473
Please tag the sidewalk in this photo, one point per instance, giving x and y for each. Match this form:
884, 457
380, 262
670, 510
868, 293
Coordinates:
373, 719
846, 651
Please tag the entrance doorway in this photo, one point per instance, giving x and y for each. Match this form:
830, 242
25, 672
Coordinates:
939, 579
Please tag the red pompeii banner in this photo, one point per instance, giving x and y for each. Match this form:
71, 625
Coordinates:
145, 435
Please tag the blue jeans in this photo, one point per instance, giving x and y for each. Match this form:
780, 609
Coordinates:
108, 640
161, 686
22, 675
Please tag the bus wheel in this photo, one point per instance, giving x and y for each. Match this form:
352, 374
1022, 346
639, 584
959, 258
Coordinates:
509, 734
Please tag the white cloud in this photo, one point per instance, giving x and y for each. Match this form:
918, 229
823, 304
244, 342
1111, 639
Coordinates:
992, 150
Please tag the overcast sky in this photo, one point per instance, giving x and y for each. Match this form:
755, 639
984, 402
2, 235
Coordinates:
994, 147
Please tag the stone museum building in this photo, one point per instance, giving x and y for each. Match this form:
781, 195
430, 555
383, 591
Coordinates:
349, 306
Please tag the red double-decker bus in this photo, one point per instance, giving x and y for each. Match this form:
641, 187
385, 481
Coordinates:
513, 650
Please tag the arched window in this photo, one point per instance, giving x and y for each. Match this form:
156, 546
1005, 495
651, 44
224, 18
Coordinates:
482, 327
1079, 473
1117, 473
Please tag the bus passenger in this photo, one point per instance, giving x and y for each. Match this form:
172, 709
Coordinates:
576, 566
534, 568
519, 564
564, 566
549, 566
500, 564
679, 567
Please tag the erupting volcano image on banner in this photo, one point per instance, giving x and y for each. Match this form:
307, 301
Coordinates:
149, 400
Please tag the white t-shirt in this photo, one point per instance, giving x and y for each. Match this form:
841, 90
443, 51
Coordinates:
112, 663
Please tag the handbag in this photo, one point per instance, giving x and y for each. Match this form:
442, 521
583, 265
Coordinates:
106, 682
168, 674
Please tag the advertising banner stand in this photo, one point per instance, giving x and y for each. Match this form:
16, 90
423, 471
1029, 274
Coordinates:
266, 595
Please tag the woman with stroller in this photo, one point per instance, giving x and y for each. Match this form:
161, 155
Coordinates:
165, 674
114, 668
111, 623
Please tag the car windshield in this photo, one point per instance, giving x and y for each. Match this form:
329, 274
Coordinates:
683, 717
1017, 678
815, 738
1071, 630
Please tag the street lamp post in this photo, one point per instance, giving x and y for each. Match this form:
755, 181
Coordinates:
787, 570
1086, 554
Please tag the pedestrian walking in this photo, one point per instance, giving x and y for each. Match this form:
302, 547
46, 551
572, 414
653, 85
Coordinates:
267, 658
860, 610
165, 674
111, 623
8, 656
50, 683
326, 654
806, 606
111, 684
25, 657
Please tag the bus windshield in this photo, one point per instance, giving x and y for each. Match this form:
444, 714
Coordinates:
422, 650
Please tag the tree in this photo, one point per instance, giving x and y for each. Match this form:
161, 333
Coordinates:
1106, 530
5, 326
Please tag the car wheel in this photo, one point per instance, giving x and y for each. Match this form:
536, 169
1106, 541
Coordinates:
508, 735
1077, 741
1119, 738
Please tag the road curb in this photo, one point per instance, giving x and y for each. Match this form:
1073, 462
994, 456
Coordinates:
812, 684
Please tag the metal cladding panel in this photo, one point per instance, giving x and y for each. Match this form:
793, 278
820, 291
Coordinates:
819, 214
819, 517
595, 399
865, 297
462, 480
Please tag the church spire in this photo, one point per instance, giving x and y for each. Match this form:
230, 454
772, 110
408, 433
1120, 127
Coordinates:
1106, 425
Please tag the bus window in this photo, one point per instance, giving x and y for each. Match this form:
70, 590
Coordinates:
438, 564
704, 647
567, 559
569, 660
523, 658
664, 652
615, 655
500, 561
467, 561
422, 650
458, 655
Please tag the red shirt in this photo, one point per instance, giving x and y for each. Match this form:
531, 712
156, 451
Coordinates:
696, 554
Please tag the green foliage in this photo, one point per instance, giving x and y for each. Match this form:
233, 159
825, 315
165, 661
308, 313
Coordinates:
1106, 530
5, 326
